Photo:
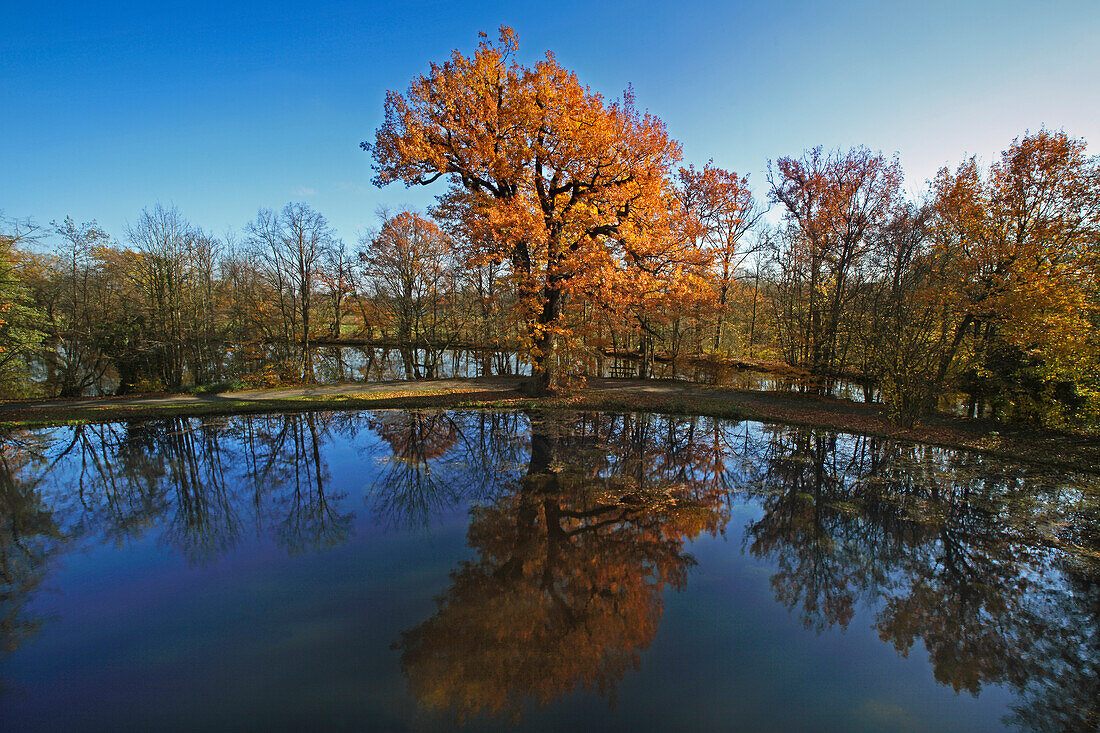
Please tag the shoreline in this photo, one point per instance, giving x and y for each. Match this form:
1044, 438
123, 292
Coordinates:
1046, 448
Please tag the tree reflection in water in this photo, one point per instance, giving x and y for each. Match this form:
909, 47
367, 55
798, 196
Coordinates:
439, 460
29, 535
572, 561
194, 477
979, 559
580, 524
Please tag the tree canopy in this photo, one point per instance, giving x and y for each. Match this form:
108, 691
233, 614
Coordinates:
565, 187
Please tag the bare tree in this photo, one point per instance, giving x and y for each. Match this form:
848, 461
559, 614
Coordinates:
290, 248
72, 314
161, 239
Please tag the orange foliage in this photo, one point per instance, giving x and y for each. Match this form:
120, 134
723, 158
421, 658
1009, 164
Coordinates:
1024, 241
566, 590
547, 176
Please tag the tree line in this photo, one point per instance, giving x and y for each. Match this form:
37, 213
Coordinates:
571, 232
173, 306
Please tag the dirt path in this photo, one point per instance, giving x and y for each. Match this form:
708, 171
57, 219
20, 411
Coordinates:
1041, 446
1068, 451
790, 404
491, 384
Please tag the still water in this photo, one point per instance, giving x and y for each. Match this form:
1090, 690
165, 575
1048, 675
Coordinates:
336, 364
421, 570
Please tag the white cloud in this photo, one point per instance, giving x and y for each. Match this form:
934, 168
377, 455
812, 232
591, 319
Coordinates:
304, 191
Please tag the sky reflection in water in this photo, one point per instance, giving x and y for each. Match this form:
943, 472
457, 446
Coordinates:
416, 569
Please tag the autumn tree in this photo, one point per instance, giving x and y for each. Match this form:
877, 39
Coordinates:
833, 205
19, 335
1024, 239
485, 284
727, 211
906, 315
409, 262
553, 179
659, 294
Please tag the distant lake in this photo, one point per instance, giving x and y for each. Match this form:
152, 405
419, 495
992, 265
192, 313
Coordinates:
335, 364
363, 363
397, 570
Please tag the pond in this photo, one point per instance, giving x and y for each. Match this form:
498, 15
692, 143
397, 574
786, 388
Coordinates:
348, 363
418, 570
335, 364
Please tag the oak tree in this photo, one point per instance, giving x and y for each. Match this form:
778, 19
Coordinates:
1024, 242
556, 181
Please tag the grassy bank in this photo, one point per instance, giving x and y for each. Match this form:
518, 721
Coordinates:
1051, 449
31, 417
238, 404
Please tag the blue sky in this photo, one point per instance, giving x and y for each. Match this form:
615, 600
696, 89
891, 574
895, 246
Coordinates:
221, 108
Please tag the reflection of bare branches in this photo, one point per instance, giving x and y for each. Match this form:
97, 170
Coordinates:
121, 479
439, 460
407, 495
282, 465
312, 520
205, 523
29, 537
951, 549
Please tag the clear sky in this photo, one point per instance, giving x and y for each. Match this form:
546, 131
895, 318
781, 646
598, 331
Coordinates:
222, 108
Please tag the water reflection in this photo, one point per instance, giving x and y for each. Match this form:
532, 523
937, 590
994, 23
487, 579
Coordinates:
966, 555
440, 460
192, 479
580, 526
566, 589
338, 364
29, 537
334, 364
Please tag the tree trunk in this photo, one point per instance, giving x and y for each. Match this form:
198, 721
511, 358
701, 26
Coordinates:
545, 375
